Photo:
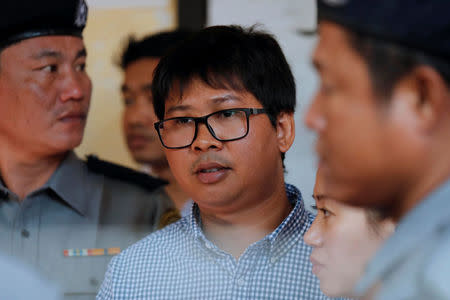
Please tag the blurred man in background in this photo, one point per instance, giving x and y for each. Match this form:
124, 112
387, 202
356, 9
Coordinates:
138, 62
382, 115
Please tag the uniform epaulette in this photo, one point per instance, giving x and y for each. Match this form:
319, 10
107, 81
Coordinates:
119, 172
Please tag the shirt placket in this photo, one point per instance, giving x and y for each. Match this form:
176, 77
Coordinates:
226, 261
26, 231
245, 269
9, 211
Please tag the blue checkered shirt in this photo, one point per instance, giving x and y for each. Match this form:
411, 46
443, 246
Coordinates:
179, 262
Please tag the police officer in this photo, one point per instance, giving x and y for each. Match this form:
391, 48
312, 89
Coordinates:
58, 213
14, 276
382, 115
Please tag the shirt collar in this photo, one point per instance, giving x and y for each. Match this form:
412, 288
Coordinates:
293, 227
410, 231
71, 183
3, 190
283, 237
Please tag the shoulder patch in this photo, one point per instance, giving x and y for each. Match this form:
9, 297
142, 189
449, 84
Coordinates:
122, 173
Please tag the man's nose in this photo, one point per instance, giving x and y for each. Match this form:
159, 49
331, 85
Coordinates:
314, 118
204, 140
75, 86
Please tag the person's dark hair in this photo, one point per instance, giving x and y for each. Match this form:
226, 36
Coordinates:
230, 57
155, 45
389, 62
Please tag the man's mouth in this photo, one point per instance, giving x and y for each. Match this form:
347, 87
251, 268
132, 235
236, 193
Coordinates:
138, 140
211, 172
209, 167
73, 117
317, 266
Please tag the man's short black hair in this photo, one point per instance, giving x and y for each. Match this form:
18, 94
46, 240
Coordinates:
154, 45
389, 62
230, 57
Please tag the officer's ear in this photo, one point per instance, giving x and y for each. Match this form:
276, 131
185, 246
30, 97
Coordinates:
285, 130
423, 97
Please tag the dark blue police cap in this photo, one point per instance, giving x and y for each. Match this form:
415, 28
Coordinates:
23, 19
422, 25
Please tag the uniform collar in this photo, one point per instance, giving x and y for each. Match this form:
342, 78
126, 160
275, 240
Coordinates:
3, 190
428, 216
287, 234
71, 183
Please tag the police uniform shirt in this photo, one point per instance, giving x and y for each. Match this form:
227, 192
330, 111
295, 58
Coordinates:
14, 276
77, 209
414, 263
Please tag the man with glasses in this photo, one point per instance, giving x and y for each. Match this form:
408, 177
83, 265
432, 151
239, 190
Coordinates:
226, 100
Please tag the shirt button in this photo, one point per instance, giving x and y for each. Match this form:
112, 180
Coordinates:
273, 259
208, 245
25, 233
93, 281
240, 282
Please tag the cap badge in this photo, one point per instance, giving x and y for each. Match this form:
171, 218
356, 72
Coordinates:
81, 14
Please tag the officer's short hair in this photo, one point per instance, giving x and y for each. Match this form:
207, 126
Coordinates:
388, 62
230, 57
394, 37
155, 45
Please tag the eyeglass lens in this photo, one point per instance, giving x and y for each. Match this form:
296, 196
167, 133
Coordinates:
226, 125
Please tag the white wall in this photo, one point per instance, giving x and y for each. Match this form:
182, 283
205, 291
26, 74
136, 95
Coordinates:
284, 18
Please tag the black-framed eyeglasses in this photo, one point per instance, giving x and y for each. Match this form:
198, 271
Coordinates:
224, 125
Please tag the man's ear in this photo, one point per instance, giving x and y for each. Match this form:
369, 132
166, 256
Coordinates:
285, 130
427, 96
